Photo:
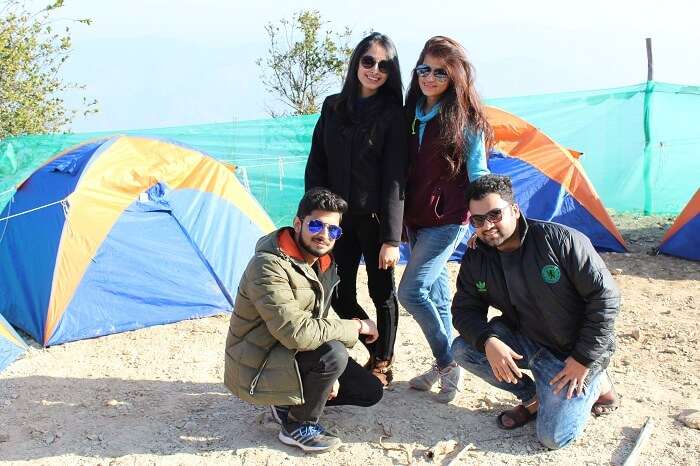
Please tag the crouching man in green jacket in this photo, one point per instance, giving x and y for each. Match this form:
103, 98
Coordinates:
284, 346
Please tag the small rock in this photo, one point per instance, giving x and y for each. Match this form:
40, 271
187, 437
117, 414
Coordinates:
14, 396
94, 437
4, 438
48, 438
189, 425
636, 334
616, 271
490, 401
691, 419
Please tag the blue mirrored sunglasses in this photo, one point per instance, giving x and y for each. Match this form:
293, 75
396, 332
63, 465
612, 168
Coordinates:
316, 226
425, 70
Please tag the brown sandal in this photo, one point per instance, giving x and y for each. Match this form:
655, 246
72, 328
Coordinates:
520, 416
381, 369
606, 403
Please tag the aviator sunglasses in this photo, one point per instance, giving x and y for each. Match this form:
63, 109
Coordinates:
493, 216
316, 226
368, 62
424, 71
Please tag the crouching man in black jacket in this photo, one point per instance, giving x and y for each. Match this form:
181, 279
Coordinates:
558, 303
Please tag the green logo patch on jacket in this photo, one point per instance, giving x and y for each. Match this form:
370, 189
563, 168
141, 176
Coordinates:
481, 287
551, 274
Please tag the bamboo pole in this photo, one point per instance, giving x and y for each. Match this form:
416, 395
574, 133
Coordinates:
643, 436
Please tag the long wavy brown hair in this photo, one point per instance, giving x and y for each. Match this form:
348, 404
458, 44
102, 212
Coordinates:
460, 104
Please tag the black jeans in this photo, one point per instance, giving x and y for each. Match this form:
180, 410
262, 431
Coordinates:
361, 238
320, 368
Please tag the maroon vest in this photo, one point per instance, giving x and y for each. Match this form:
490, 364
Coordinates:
431, 198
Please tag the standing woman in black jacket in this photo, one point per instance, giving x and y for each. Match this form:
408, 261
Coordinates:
359, 151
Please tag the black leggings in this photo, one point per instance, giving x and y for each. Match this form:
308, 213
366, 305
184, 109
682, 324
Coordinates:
320, 369
361, 237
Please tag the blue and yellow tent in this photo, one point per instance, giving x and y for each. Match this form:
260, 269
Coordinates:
683, 238
121, 233
549, 181
11, 345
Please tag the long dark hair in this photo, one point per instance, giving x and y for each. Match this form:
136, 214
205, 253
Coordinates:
460, 104
392, 89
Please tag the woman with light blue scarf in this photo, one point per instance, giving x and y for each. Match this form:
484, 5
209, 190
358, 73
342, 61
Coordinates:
448, 137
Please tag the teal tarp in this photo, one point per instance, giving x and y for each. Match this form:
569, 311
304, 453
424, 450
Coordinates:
608, 126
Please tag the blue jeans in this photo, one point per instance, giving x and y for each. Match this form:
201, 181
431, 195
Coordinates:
425, 285
559, 421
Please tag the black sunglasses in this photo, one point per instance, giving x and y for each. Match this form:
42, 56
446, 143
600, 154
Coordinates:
368, 62
493, 216
316, 226
439, 73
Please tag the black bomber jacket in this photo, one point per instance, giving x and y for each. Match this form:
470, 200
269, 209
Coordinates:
364, 161
573, 293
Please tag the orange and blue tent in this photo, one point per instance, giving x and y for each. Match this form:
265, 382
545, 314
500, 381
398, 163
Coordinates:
548, 180
11, 344
683, 238
122, 233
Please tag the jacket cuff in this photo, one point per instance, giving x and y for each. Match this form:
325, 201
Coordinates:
350, 335
581, 359
481, 341
391, 242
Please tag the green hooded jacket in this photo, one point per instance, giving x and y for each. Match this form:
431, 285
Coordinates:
282, 306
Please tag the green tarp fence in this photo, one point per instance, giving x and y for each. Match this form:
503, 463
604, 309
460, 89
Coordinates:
640, 144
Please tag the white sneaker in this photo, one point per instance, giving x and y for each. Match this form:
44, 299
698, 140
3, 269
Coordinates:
450, 379
425, 382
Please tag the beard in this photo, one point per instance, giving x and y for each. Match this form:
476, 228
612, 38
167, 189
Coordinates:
498, 239
312, 248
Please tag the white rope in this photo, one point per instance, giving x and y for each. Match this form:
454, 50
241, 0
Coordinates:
11, 190
34, 210
273, 164
9, 210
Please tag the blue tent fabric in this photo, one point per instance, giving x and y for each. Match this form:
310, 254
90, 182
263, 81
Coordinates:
122, 273
160, 233
685, 242
11, 344
541, 198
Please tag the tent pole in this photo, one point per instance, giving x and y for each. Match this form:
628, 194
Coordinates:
650, 63
647, 131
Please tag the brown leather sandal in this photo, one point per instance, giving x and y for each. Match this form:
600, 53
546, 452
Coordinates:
606, 403
520, 416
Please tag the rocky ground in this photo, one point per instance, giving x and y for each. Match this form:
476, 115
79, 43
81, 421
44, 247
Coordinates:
155, 396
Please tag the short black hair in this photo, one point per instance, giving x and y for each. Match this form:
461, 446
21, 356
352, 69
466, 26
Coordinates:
491, 184
321, 199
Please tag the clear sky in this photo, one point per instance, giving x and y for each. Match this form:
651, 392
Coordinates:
155, 63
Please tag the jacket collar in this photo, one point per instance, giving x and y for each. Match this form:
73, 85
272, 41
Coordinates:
289, 246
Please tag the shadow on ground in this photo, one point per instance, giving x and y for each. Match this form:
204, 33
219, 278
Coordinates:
112, 418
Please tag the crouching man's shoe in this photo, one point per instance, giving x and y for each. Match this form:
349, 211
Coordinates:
309, 436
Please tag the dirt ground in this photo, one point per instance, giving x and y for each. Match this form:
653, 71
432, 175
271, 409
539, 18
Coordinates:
154, 396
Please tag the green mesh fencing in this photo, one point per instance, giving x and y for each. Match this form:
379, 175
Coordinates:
640, 144
637, 164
